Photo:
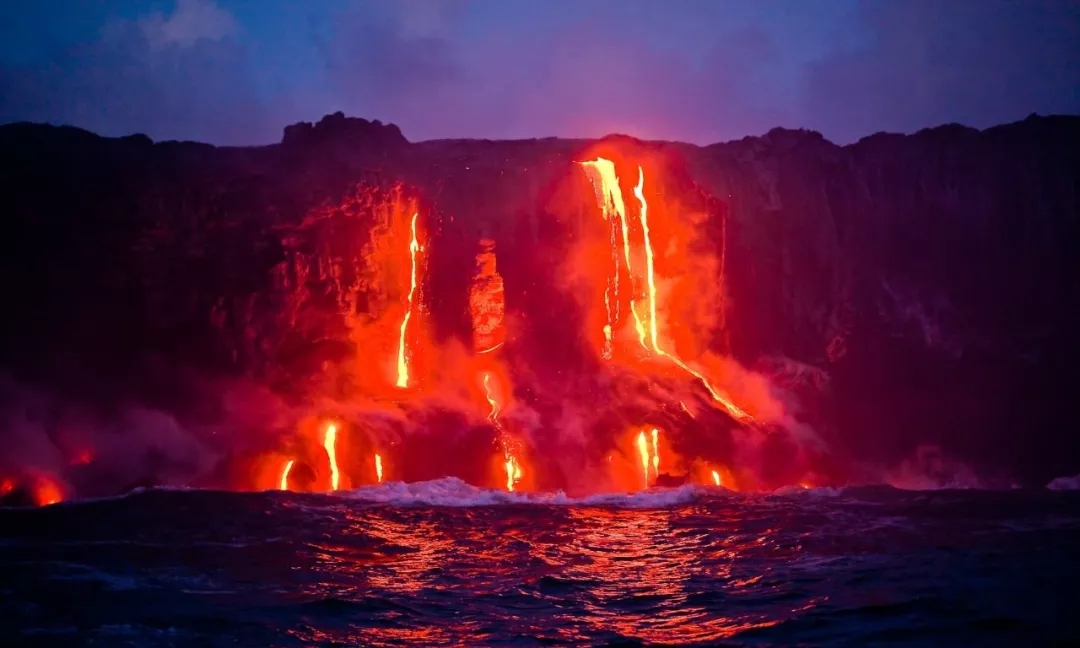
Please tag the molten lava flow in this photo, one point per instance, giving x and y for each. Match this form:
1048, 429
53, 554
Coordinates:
285, 474
329, 442
512, 465
656, 452
513, 472
716, 477
378, 467
611, 203
643, 450
402, 364
493, 416
649, 270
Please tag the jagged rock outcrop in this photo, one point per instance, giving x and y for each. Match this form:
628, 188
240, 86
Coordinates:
922, 282
339, 130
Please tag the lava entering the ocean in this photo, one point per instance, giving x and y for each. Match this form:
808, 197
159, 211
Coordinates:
330, 443
391, 378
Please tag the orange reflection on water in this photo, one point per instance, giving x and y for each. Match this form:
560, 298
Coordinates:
639, 560
573, 576
420, 550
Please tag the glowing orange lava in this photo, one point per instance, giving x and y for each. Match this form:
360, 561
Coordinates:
330, 442
512, 465
47, 492
378, 467
493, 416
606, 183
491, 349
513, 472
716, 478
602, 174
402, 363
643, 450
285, 474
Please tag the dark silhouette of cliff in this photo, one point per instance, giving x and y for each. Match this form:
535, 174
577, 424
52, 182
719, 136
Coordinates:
918, 288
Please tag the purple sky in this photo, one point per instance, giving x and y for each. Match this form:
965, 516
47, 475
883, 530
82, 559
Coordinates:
238, 71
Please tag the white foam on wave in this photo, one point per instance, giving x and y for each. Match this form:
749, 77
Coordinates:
1065, 483
453, 492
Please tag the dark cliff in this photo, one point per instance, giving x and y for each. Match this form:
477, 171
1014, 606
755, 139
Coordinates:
919, 286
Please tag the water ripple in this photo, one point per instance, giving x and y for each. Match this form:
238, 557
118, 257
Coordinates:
697, 567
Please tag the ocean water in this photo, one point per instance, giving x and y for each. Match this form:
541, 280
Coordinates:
445, 564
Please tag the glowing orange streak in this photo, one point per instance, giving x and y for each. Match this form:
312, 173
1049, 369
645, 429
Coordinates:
643, 450
513, 468
732, 409
613, 202
513, 472
378, 467
285, 474
655, 452
329, 441
402, 365
494, 415
491, 349
716, 477
47, 493
649, 270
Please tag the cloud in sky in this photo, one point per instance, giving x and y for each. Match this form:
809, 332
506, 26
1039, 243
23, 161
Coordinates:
180, 75
696, 70
190, 22
927, 62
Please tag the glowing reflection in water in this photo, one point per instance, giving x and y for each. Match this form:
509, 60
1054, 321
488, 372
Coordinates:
567, 574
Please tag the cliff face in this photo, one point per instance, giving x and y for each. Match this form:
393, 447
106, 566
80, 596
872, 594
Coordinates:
914, 288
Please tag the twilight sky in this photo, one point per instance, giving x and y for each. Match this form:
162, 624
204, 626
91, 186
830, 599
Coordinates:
238, 71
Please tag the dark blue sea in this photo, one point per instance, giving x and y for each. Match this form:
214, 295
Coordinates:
444, 564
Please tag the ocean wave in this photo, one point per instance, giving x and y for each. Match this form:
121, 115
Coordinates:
453, 492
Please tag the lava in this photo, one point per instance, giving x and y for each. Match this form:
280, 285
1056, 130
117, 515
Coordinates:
649, 266
512, 465
46, 491
402, 362
285, 474
493, 415
330, 444
606, 183
602, 173
643, 450
513, 472
650, 274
